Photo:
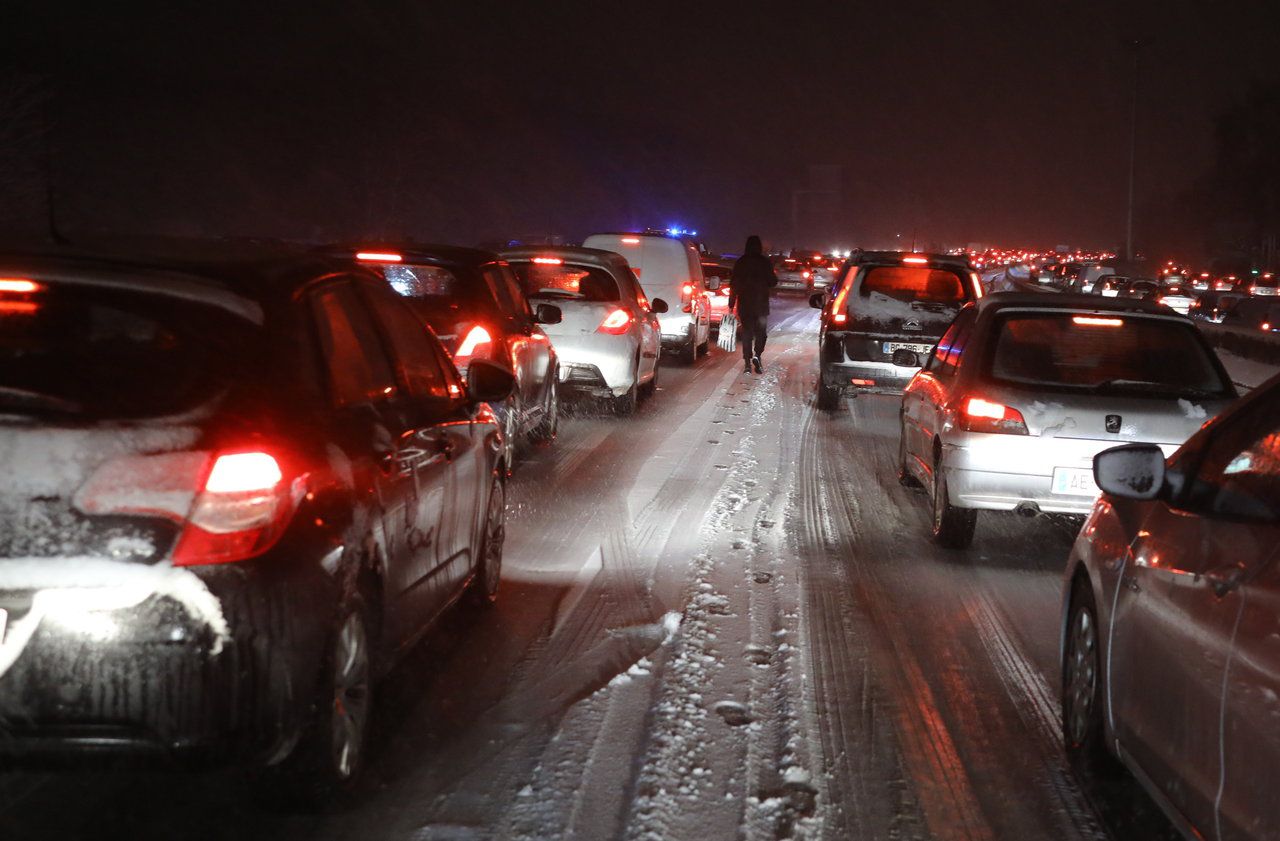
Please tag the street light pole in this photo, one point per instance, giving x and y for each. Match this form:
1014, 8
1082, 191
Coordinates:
1133, 154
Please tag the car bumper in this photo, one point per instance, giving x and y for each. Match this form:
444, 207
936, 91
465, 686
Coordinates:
611, 360
1002, 472
871, 376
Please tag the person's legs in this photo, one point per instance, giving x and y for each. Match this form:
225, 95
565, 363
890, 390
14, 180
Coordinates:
761, 334
746, 333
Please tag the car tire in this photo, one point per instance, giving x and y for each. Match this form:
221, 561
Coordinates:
952, 527
484, 586
330, 753
828, 397
511, 433
547, 429
1083, 731
689, 353
625, 406
905, 476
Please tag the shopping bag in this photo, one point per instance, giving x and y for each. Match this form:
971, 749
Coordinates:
728, 337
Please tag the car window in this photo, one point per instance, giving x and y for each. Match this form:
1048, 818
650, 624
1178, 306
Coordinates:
507, 292
911, 283
1239, 473
946, 355
574, 283
422, 281
418, 367
358, 368
1114, 354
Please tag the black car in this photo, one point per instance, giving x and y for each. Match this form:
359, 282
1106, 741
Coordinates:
478, 309
235, 490
885, 314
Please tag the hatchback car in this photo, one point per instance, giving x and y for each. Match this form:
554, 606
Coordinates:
719, 299
1170, 653
609, 340
235, 491
887, 311
474, 302
1023, 390
794, 275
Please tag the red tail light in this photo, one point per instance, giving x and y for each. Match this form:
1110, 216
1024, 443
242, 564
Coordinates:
378, 257
18, 285
476, 345
231, 508
615, 323
804, 275
980, 415
548, 261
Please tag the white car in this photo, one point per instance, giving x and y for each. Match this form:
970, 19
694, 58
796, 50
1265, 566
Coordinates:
609, 338
669, 268
1023, 390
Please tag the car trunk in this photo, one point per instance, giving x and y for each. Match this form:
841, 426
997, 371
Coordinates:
1134, 418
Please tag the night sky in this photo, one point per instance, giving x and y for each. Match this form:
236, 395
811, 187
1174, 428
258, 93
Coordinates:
991, 120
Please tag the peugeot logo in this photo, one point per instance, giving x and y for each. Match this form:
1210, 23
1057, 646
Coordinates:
911, 324
1113, 423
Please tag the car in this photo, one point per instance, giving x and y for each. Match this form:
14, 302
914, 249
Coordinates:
1253, 313
1047, 273
719, 299
238, 488
884, 317
1111, 286
608, 341
1227, 283
794, 275
825, 271
1214, 306
1141, 288
1265, 284
475, 304
1201, 281
1088, 276
1170, 661
1175, 296
1024, 389
668, 267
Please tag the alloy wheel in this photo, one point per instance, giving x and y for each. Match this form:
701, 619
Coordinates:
1082, 675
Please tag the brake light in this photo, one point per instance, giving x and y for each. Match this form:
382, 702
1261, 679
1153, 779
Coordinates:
18, 285
378, 256
804, 275
838, 315
861, 382
231, 508
1092, 321
631, 240
548, 261
615, 323
1266, 326
477, 343
916, 261
980, 415
687, 289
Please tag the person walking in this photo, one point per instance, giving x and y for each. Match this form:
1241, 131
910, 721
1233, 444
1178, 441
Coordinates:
749, 287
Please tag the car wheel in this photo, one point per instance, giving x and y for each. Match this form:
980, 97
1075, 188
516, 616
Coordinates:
689, 353
511, 433
545, 431
626, 404
329, 756
484, 587
905, 477
952, 527
828, 397
1082, 682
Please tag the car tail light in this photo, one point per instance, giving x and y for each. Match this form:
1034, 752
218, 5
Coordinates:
231, 507
378, 256
804, 275
631, 240
1094, 321
1266, 326
838, 315
18, 285
476, 345
548, 261
980, 415
862, 382
686, 296
615, 323
916, 261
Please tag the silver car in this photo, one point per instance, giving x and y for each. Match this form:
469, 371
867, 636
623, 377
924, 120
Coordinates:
608, 339
1170, 655
1023, 390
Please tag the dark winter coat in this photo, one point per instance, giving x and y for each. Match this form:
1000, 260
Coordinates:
752, 279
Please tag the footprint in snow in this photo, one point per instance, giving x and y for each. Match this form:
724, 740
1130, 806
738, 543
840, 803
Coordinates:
733, 713
762, 577
756, 654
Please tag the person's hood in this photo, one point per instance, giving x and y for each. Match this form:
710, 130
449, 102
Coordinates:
753, 245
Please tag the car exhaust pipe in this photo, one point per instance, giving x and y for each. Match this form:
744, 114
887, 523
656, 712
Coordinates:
1027, 509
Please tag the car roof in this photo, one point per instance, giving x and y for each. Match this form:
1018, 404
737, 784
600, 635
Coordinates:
950, 261
574, 253
414, 252
1072, 301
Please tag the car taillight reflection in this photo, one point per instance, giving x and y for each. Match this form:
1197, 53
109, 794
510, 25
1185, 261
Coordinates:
475, 345
979, 415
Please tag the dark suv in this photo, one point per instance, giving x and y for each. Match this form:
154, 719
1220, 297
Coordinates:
235, 490
476, 305
885, 313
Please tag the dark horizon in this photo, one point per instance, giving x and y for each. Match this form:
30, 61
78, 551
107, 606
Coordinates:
986, 123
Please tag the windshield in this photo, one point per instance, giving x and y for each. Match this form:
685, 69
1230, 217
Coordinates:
575, 283
1104, 353
93, 353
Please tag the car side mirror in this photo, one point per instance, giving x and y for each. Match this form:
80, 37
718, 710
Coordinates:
818, 300
548, 314
658, 305
712, 283
1133, 471
488, 382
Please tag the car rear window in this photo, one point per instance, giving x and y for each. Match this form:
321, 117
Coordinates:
422, 281
579, 283
911, 283
1104, 353
112, 354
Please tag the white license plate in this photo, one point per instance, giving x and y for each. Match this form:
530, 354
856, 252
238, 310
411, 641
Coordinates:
890, 347
4, 620
1074, 481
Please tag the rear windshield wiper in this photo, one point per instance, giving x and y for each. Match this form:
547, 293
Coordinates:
21, 399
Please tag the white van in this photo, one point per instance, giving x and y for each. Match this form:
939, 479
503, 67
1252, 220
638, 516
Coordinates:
670, 269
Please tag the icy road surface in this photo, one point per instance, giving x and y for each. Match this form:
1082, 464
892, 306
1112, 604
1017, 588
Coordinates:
719, 619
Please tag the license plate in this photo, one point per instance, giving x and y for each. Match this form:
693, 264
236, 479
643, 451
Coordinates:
890, 347
1074, 481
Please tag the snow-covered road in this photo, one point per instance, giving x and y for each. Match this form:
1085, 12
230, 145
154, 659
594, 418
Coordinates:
720, 619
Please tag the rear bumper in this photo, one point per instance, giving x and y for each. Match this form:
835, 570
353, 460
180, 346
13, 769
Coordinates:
604, 361
848, 356
881, 376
